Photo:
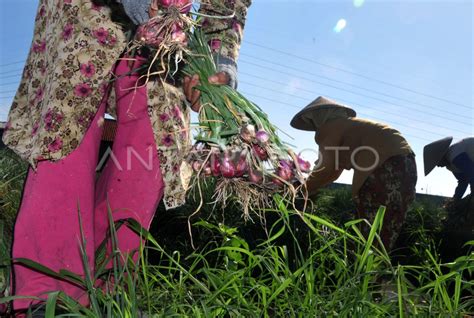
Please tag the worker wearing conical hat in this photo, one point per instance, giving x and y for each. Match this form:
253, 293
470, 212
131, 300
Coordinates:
383, 162
457, 158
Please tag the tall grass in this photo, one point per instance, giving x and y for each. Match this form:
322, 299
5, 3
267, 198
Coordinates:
12, 175
342, 274
305, 266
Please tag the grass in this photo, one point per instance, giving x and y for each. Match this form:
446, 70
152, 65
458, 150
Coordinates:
305, 265
12, 175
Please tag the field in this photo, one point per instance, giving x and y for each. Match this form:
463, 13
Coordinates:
312, 265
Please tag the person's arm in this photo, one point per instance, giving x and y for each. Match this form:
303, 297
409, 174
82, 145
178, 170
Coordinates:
137, 10
324, 173
224, 33
462, 186
466, 176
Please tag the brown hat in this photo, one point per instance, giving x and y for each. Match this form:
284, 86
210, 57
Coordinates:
434, 153
318, 112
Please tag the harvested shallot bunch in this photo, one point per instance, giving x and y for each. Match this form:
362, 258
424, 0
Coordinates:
165, 37
236, 144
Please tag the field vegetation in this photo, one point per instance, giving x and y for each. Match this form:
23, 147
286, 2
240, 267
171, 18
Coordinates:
316, 264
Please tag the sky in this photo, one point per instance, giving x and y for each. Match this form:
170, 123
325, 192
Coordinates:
405, 63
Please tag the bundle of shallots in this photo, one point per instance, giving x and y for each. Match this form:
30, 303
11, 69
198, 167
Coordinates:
164, 36
236, 144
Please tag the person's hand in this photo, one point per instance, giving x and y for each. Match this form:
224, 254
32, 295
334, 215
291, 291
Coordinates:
193, 95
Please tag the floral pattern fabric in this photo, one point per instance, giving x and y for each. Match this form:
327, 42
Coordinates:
225, 35
68, 73
170, 122
65, 78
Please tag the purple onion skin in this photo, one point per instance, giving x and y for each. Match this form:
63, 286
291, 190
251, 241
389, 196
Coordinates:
286, 164
227, 167
260, 152
197, 166
285, 173
183, 5
215, 166
207, 171
152, 34
304, 165
241, 167
148, 36
255, 177
179, 36
262, 136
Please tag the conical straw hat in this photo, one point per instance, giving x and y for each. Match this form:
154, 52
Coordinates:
318, 112
434, 153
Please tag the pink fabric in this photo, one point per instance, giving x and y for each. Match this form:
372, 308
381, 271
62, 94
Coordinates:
47, 228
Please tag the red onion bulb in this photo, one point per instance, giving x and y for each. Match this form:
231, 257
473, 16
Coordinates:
285, 170
196, 166
227, 167
215, 166
241, 167
183, 5
260, 152
255, 176
304, 165
149, 33
207, 171
262, 136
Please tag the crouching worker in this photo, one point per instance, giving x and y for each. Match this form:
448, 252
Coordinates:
457, 158
383, 162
